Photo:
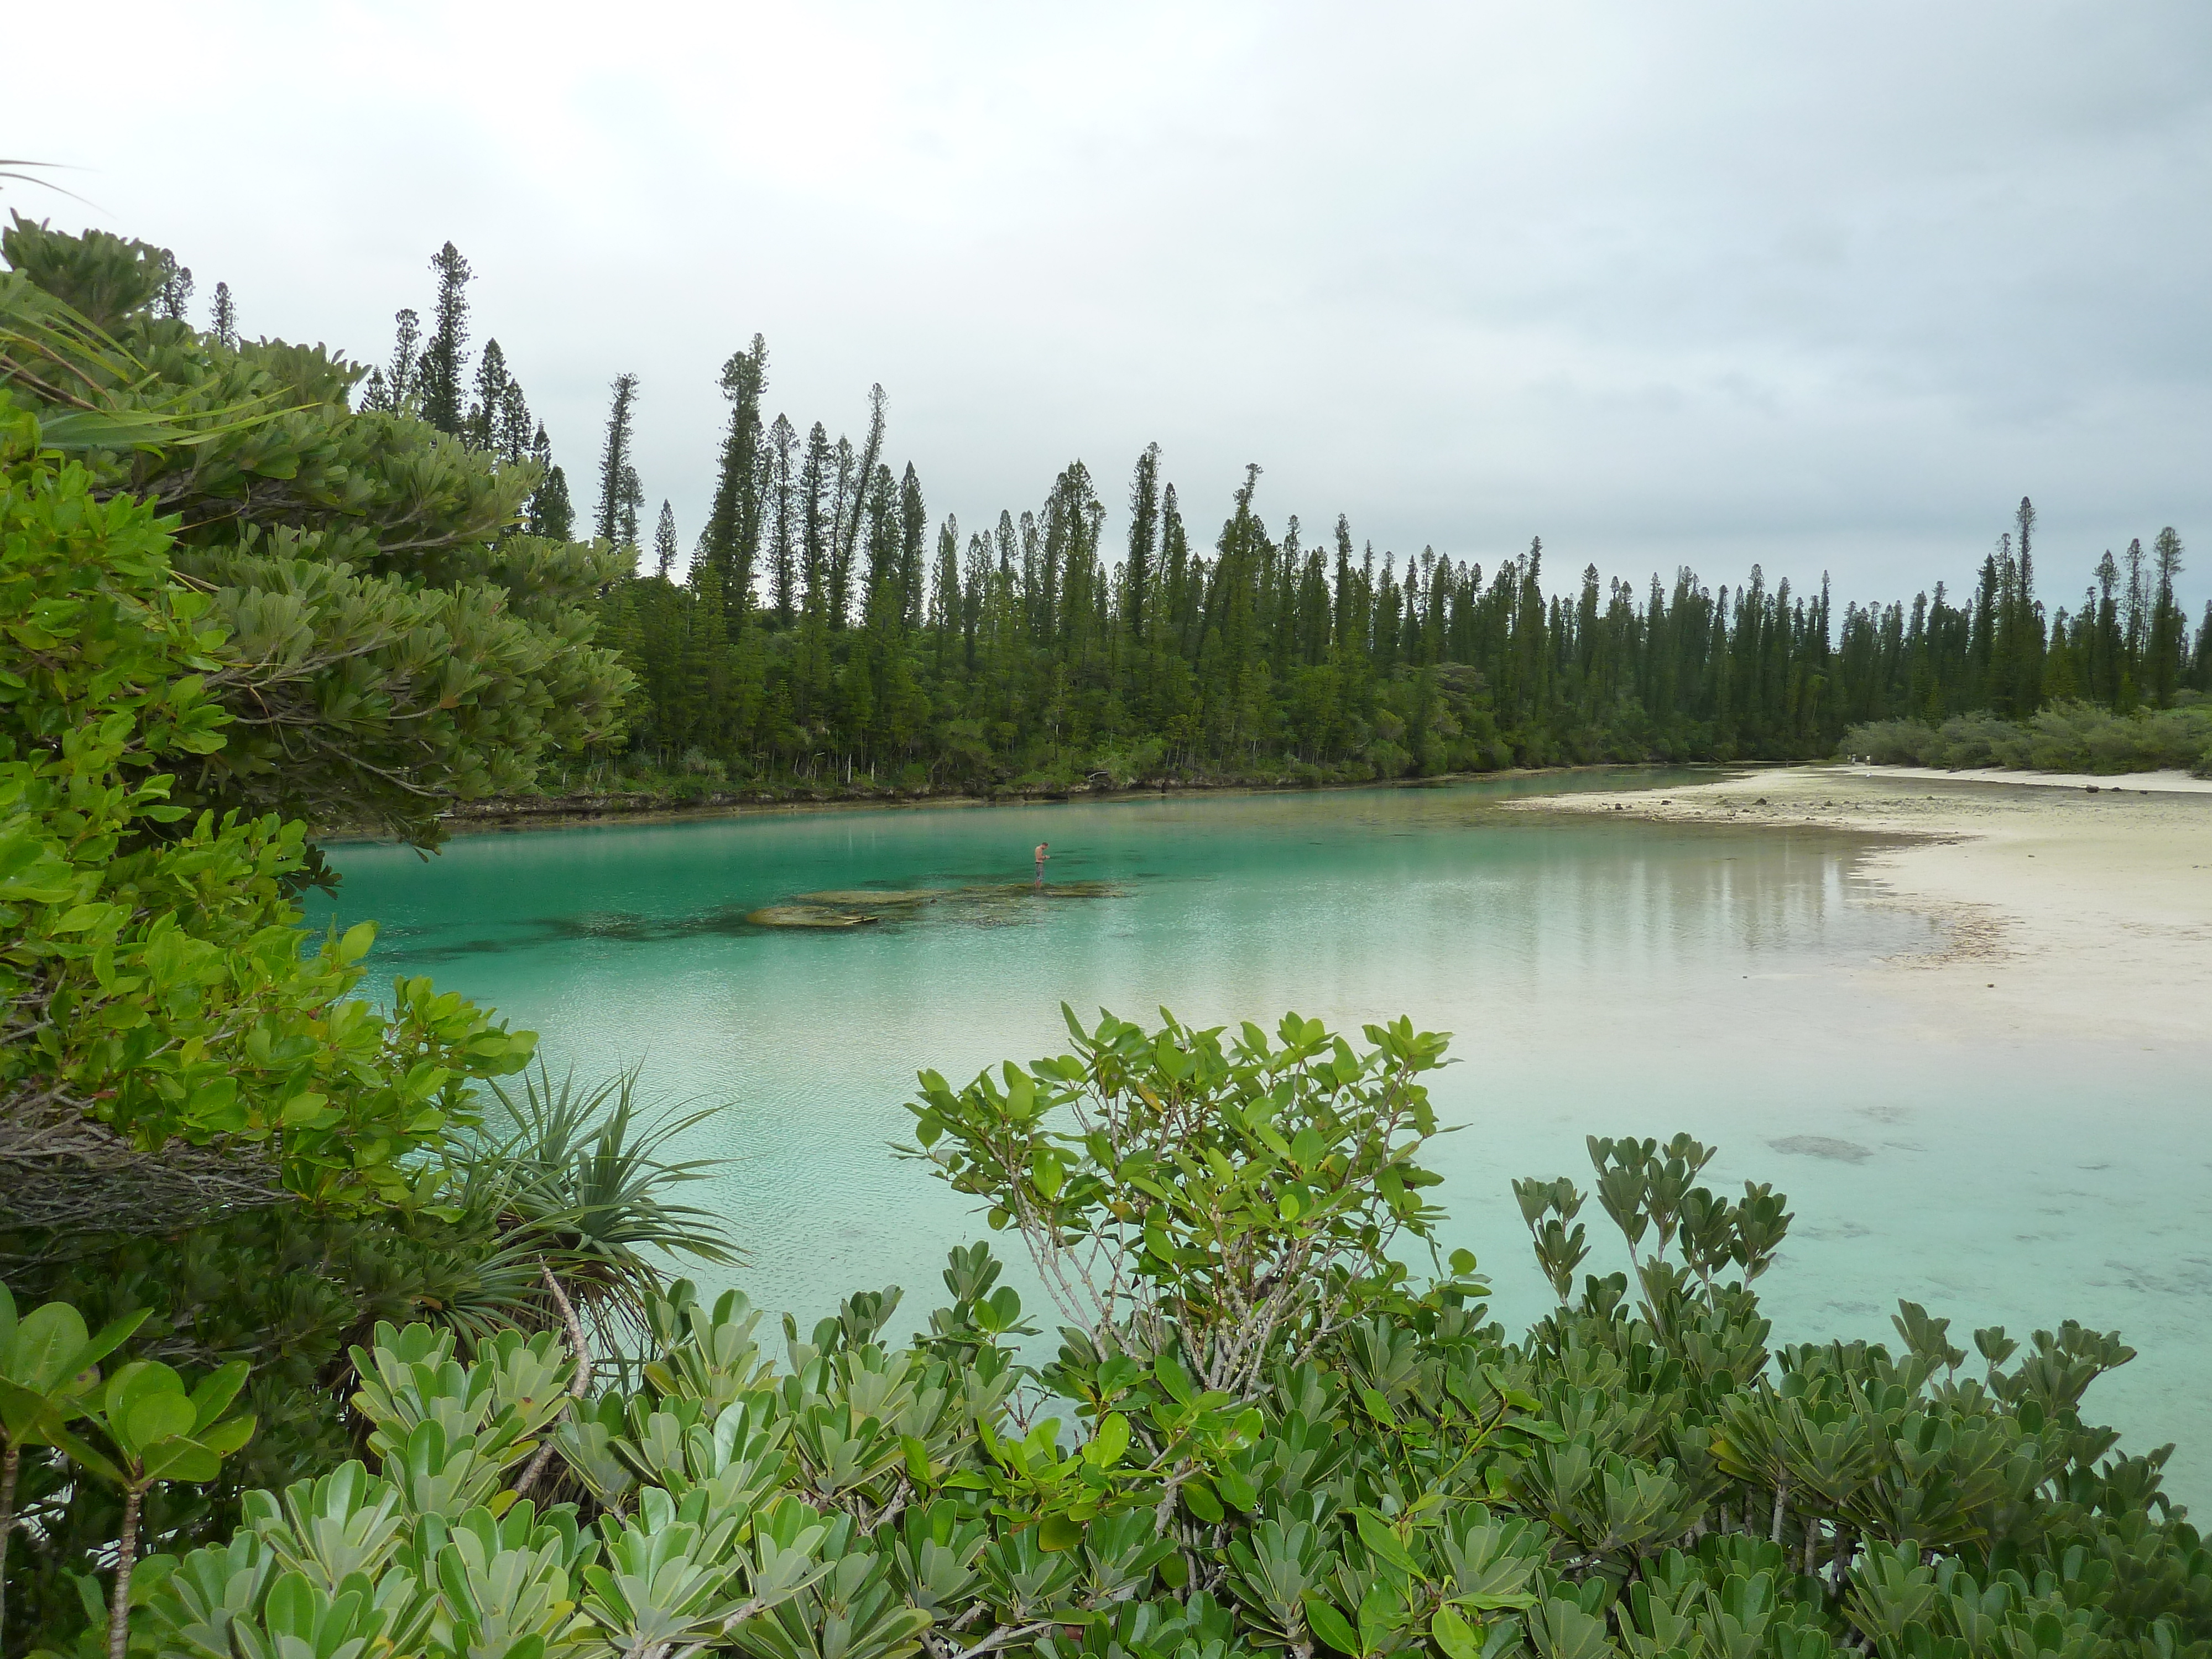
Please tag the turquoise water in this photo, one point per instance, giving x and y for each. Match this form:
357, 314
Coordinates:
1599, 975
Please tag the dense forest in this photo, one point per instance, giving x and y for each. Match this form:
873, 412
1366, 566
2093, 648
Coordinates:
825, 627
330, 1331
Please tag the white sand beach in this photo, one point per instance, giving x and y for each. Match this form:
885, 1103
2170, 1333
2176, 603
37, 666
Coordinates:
2071, 902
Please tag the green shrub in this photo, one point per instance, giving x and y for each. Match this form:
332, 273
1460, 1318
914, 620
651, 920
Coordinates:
156, 994
393, 644
1219, 1463
2069, 737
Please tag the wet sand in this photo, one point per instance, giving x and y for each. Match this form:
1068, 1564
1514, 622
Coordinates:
2076, 907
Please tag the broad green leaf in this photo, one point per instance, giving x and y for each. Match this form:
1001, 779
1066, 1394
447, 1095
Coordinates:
1454, 1634
1332, 1626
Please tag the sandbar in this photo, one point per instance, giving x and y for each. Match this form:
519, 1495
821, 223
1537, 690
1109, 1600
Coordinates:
2080, 907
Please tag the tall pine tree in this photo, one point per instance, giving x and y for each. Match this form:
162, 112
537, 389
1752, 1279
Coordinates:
392, 390
550, 514
175, 297
783, 522
445, 359
730, 543
620, 499
914, 534
224, 324
499, 415
1144, 537
2168, 628
664, 542
814, 528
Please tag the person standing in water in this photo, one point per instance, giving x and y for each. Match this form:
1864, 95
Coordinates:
1042, 855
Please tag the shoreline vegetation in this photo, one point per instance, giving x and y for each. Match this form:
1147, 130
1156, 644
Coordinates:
329, 1326
2074, 738
653, 800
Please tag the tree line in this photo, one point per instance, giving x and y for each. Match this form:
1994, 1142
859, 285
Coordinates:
826, 627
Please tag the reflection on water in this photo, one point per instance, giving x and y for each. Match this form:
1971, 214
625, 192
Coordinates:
1601, 977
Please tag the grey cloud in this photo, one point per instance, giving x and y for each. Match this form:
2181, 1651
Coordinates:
1827, 286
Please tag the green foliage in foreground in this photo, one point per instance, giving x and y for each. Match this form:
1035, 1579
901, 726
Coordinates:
1636, 1477
566, 1189
2072, 737
153, 989
391, 642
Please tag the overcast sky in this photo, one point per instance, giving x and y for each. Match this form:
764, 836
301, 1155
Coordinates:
1830, 287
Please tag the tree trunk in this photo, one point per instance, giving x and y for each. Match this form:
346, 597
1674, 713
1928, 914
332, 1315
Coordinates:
7, 1467
579, 1379
126, 1553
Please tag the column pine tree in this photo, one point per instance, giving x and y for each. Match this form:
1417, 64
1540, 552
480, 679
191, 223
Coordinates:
783, 523
664, 542
445, 359
1144, 538
402, 379
2168, 628
550, 514
224, 324
730, 540
620, 498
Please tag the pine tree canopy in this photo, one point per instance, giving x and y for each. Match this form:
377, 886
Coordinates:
393, 645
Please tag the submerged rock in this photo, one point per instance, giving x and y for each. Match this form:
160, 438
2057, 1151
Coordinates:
984, 903
1050, 890
805, 915
844, 896
1844, 1151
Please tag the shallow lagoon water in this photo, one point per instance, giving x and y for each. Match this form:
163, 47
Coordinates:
1608, 977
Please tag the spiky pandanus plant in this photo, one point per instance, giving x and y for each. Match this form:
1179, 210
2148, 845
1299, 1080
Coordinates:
574, 1181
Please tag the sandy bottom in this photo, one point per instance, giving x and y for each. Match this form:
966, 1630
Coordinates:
2071, 912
